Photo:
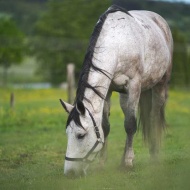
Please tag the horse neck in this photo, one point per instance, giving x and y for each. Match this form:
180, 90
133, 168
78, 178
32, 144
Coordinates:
92, 100
105, 60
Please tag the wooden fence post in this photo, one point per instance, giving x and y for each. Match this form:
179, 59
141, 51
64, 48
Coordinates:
71, 82
12, 100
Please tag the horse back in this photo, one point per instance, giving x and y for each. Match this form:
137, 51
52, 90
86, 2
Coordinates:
141, 42
157, 21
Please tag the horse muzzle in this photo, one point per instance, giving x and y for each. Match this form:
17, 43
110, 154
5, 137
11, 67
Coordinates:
74, 169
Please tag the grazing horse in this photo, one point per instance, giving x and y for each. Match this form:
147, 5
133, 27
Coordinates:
130, 53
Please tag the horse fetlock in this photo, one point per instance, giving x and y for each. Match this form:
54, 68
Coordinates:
129, 157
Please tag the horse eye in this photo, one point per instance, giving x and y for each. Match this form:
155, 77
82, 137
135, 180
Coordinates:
80, 136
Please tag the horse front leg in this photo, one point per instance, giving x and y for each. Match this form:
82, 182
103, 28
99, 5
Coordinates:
129, 104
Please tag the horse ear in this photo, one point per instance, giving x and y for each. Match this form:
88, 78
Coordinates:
80, 108
67, 107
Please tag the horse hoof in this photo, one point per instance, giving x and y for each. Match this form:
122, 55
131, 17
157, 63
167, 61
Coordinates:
126, 165
129, 163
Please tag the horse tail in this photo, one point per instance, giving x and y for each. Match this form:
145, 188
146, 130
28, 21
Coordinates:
145, 105
152, 125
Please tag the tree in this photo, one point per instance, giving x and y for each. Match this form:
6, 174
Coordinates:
11, 44
181, 65
62, 35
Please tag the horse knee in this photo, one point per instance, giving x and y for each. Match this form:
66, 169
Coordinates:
131, 125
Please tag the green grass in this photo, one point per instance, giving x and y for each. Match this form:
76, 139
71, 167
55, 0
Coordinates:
33, 144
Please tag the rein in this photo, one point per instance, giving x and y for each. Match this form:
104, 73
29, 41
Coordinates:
98, 141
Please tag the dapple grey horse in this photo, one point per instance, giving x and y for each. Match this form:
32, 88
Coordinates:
131, 53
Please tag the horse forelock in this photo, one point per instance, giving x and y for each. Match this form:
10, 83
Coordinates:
74, 116
88, 60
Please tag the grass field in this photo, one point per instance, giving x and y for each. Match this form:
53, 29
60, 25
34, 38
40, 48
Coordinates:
33, 144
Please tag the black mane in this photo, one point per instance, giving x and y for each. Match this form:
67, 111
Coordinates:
87, 64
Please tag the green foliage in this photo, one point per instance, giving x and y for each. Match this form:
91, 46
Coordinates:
11, 42
24, 12
62, 35
181, 60
27, 12
33, 144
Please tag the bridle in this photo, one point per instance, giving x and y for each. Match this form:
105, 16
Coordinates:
98, 141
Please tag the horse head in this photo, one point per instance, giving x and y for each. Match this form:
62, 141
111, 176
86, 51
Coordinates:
85, 139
